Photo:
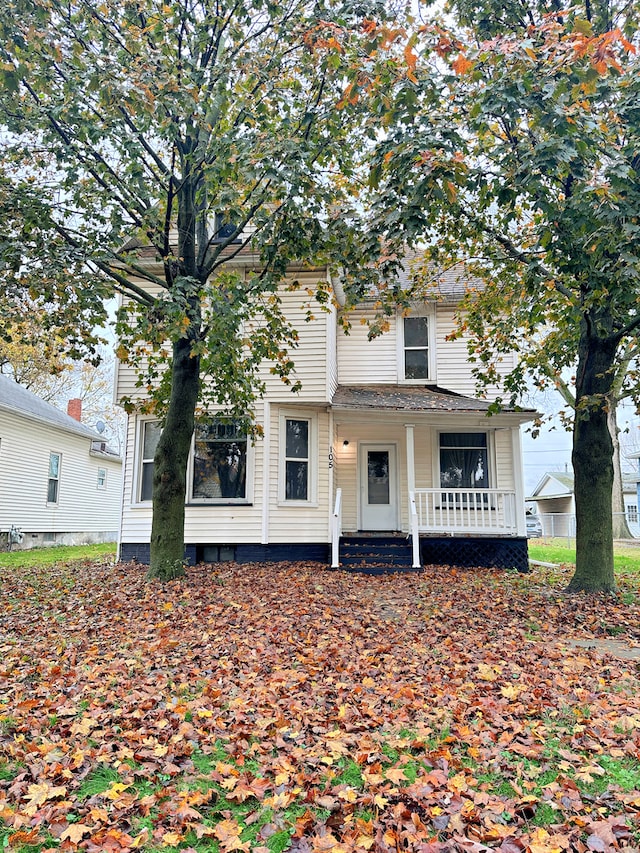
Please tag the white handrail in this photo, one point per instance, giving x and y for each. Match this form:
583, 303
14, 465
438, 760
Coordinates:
415, 532
336, 530
463, 511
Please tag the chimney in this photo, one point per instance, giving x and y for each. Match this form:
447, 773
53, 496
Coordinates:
74, 409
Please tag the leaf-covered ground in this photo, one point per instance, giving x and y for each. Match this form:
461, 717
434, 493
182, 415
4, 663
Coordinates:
265, 708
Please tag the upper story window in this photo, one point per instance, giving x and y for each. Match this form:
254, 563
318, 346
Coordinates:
223, 229
219, 463
53, 483
464, 462
417, 355
150, 436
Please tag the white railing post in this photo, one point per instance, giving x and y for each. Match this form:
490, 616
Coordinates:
336, 530
415, 531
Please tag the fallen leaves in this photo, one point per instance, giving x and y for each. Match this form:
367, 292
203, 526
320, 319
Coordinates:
267, 707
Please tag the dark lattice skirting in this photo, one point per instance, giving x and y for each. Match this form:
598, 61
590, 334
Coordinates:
313, 552
468, 552
441, 551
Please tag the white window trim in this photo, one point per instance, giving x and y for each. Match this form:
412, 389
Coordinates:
491, 456
293, 415
57, 479
427, 311
136, 499
101, 487
247, 500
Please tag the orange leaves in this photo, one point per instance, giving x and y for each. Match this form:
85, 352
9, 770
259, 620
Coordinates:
461, 64
228, 834
37, 795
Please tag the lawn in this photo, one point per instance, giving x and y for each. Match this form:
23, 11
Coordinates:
270, 708
626, 558
57, 554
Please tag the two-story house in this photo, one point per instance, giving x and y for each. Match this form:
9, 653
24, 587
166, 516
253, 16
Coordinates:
383, 446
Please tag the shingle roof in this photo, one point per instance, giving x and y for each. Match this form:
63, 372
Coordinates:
15, 398
447, 284
564, 478
417, 398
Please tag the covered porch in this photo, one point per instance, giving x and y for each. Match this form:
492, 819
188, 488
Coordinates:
427, 464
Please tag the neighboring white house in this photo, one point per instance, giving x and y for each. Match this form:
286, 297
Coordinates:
59, 484
385, 436
554, 503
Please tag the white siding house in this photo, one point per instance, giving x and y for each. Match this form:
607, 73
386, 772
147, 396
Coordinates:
58, 482
384, 442
554, 503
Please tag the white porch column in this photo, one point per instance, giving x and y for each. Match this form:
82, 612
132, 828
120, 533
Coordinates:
266, 469
411, 458
518, 480
332, 464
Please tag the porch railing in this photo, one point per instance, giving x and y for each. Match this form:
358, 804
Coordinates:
466, 511
336, 530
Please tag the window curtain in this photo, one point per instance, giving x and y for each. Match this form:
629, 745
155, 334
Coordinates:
463, 461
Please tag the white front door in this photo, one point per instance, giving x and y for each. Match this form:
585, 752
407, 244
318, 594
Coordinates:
378, 487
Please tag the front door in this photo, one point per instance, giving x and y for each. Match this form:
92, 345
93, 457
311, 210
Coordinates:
378, 487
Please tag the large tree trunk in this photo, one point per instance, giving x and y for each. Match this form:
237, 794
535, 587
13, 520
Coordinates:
592, 458
170, 466
620, 526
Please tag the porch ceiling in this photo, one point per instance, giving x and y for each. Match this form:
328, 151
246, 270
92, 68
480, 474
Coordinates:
413, 398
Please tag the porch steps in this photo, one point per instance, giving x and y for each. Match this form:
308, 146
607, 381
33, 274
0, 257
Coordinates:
376, 555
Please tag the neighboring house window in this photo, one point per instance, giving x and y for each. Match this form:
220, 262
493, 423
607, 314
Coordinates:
102, 478
297, 471
464, 460
151, 431
219, 462
53, 487
632, 513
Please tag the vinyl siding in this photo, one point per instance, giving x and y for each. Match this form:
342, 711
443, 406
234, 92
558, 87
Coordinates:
361, 361
25, 447
453, 368
240, 523
312, 352
310, 356
291, 522
504, 477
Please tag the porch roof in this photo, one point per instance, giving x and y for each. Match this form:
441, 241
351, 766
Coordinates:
414, 398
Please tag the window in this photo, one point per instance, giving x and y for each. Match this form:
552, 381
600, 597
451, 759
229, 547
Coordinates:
632, 513
416, 348
102, 478
53, 486
464, 460
151, 431
223, 228
296, 459
219, 462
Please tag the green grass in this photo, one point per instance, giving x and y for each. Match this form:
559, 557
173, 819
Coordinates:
57, 554
625, 559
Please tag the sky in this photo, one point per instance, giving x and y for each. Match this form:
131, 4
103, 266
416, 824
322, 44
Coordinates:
551, 450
